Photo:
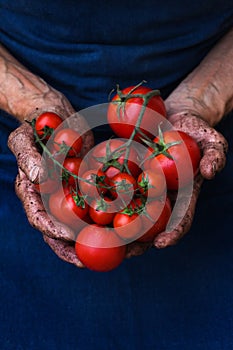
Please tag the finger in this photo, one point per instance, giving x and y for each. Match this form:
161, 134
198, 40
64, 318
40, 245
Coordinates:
136, 248
214, 155
64, 250
213, 145
182, 221
21, 143
36, 213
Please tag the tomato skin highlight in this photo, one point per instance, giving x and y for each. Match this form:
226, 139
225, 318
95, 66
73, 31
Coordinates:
123, 113
71, 139
187, 147
99, 248
47, 119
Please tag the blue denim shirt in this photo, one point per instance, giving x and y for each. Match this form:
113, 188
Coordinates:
179, 298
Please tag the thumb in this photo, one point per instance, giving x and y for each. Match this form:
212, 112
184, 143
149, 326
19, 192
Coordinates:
214, 147
182, 217
21, 143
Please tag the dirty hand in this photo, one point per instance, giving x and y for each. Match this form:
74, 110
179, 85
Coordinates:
213, 147
57, 235
196, 106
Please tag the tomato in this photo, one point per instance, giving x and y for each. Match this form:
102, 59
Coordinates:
48, 186
103, 156
68, 141
52, 182
123, 186
93, 183
76, 166
46, 123
99, 248
127, 226
137, 203
175, 148
151, 183
102, 211
54, 202
154, 219
125, 108
63, 207
74, 208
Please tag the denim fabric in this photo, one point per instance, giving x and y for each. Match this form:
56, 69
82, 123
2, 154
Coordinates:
179, 298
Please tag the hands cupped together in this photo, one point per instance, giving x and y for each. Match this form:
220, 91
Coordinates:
60, 237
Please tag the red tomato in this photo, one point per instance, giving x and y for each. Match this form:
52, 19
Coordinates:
175, 157
99, 248
48, 186
52, 182
123, 186
46, 123
93, 182
137, 204
76, 166
102, 211
103, 156
74, 210
125, 108
55, 200
154, 219
127, 226
68, 141
152, 183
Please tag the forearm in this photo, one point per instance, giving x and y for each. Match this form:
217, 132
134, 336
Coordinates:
25, 95
208, 90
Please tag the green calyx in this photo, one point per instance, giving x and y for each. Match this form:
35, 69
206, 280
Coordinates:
128, 211
160, 147
123, 186
102, 205
79, 200
123, 98
112, 158
145, 183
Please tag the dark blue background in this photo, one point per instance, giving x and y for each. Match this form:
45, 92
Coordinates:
177, 298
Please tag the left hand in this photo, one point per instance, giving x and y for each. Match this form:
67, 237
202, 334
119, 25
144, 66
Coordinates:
214, 147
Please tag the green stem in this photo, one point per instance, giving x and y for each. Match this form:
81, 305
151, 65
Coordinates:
46, 150
136, 129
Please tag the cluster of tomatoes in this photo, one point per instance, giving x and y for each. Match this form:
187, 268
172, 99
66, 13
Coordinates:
118, 193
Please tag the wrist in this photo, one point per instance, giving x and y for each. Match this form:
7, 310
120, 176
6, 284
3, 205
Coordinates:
24, 95
208, 90
197, 101
57, 104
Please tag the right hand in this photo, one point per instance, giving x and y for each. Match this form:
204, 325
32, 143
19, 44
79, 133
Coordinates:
21, 142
